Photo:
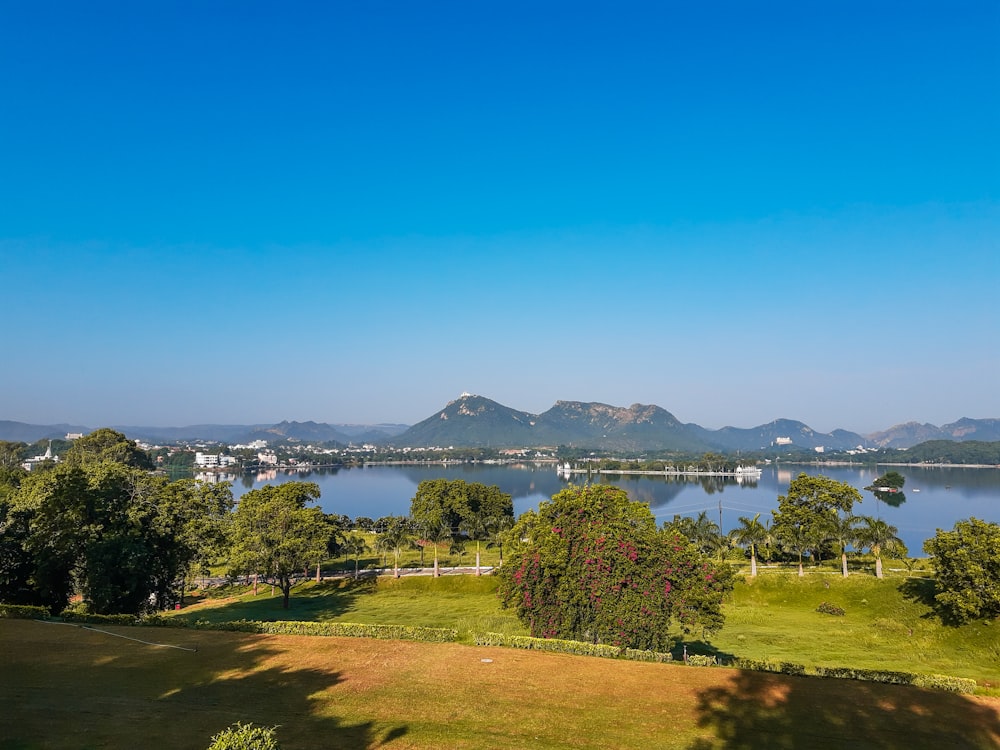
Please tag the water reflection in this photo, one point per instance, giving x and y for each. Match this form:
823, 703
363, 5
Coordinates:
936, 497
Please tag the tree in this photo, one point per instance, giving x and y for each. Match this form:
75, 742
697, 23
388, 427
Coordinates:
880, 537
355, 546
751, 533
591, 565
803, 515
274, 535
966, 563
703, 532
106, 444
102, 529
844, 531
794, 536
397, 535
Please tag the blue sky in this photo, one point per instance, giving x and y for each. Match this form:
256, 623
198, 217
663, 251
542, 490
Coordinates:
353, 212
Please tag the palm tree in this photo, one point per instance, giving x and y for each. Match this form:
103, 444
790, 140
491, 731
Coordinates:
478, 528
355, 545
396, 536
751, 532
498, 527
796, 537
701, 531
844, 531
879, 536
434, 534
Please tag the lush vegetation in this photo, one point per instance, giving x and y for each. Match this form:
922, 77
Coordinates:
591, 565
966, 564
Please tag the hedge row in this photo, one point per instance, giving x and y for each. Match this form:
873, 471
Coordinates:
343, 629
578, 648
23, 612
933, 681
762, 665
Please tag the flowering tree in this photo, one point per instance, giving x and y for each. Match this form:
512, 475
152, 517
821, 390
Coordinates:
591, 565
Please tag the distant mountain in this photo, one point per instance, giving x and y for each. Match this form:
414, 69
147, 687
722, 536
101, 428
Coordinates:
475, 421
912, 433
471, 422
209, 433
20, 432
306, 432
781, 432
594, 425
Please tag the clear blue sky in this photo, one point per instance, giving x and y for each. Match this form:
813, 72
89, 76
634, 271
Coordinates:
244, 212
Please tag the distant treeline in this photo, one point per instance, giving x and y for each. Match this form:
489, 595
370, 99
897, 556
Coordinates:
947, 452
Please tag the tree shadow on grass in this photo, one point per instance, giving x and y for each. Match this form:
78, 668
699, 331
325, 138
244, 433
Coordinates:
67, 687
700, 648
922, 591
757, 710
324, 601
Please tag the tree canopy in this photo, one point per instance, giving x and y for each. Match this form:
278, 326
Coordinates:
803, 518
591, 565
966, 562
276, 536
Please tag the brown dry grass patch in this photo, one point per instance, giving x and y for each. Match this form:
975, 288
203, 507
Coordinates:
69, 687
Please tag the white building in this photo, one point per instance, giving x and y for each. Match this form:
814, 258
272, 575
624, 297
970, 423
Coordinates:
213, 460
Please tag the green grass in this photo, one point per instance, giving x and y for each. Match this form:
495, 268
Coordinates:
468, 603
889, 623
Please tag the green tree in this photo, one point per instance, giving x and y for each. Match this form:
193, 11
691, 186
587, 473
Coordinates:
803, 515
355, 546
276, 536
879, 537
796, 537
591, 565
106, 444
844, 531
702, 531
966, 563
753, 534
397, 535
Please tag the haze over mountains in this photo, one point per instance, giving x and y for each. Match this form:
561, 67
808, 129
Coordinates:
476, 421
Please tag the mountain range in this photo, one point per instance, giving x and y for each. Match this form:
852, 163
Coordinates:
475, 421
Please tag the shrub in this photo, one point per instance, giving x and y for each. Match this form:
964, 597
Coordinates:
241, 736
831, 609
558, 645
700, 660
868, 675
75, 615
945, 682
634, 654
340, 629
23, 612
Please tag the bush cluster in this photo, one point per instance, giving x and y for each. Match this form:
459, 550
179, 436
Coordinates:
700, 660
241, 736
830, 609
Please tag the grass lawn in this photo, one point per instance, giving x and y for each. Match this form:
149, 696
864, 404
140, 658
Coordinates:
888, 623
74, 688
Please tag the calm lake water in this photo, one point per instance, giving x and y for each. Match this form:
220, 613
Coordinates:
934, 497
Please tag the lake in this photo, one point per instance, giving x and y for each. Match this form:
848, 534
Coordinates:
934, 497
